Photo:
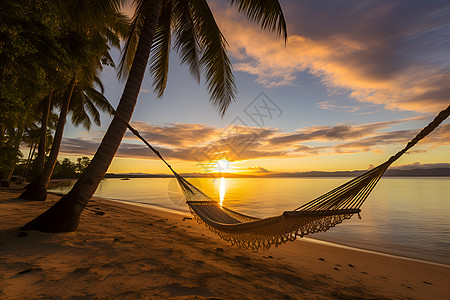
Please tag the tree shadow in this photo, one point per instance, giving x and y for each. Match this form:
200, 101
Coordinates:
14, 200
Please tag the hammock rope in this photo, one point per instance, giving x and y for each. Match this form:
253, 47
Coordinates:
320, 214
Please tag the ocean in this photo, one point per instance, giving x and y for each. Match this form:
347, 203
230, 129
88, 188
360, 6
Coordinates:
404, 216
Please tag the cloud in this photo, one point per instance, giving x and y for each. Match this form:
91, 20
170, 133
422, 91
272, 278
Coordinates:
338, 132
344, 108
418, 165
176, 134
376, 142
383, 52
258, 170
204, 143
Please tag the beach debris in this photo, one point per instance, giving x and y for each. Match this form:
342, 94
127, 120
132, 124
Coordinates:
407, 287
351, 266
187, 218
426, 282
322, 259
33, 269
81, 270
336, 269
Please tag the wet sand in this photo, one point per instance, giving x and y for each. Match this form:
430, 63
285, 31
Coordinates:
121, 251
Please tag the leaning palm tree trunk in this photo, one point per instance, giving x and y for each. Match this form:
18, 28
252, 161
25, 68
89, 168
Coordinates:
30, 158
37, 190
64, 216
43, 136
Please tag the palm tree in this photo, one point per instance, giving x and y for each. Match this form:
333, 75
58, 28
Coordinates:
199, 42
46, 107
30, 137
11, 149
17, 130
88, 52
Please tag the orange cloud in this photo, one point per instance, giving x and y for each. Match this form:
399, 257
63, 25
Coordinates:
365, 50
204, 143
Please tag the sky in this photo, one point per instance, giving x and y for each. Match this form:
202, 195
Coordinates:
354, 83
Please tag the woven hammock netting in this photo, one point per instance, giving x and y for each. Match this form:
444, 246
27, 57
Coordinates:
318, 215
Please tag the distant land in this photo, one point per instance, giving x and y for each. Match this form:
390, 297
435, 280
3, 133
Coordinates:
432, 172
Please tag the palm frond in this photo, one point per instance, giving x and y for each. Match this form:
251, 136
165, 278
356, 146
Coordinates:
79, 114
120, 24
214, 60
91, 109
186, 42
98, 99
131, 41
160, 51
107, 60
112, 37
88, 14
267, 13
99, 83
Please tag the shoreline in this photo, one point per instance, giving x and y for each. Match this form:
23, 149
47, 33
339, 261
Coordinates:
423, 239
308, 239
331, 244
140, 252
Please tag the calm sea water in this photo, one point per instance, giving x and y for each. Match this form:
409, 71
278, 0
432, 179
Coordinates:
403, 216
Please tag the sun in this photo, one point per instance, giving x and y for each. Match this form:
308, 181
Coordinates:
222, 166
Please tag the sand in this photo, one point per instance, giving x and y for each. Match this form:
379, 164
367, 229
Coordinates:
131, 252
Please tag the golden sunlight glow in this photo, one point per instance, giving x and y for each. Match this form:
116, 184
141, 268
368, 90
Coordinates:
223, 165
222, 190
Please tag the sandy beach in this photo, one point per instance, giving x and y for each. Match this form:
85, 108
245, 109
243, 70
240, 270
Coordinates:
121, 251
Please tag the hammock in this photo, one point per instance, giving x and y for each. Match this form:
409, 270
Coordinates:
318, 215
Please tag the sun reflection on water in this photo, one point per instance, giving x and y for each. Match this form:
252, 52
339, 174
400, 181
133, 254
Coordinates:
222, 190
